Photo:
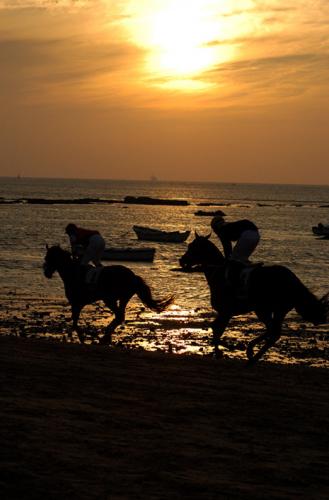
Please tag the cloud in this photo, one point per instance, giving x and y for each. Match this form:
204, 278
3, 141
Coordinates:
292, 13
264, 80
25, 52
34, 67
55, 56
261, 9
89, 54
42, 4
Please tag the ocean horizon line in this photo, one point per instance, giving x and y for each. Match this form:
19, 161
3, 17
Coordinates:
162, 181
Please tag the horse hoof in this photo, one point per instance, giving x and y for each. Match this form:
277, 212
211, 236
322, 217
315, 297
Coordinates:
80, 337
250, 362
105, 340
250, 354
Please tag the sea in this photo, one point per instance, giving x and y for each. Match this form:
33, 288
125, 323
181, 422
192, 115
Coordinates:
284, 214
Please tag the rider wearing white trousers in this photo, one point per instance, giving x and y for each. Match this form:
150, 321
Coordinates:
91, 241
244, 232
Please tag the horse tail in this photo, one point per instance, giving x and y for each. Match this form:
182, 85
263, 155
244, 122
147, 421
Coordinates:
144, 293
325, 303
311, 308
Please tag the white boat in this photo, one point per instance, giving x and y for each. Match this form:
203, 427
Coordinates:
321, 230
149, 234
129, 254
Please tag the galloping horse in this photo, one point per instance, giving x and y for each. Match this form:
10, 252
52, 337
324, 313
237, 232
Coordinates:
270, 291
115, 285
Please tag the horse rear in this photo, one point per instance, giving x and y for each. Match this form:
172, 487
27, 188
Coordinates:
117, 285
279, 289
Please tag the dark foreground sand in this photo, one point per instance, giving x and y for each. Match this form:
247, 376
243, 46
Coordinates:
89, 422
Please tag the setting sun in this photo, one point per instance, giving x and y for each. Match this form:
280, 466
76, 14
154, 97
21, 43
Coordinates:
181, 39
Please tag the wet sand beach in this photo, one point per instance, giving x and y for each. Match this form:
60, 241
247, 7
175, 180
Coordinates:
178, 330
92, 422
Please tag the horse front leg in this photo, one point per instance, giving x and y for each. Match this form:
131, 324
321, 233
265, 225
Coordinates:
218, 328
76, 310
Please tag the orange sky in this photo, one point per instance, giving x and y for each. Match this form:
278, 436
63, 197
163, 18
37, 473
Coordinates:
232, 91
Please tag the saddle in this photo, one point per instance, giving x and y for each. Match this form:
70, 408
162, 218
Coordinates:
238, 275
92, 275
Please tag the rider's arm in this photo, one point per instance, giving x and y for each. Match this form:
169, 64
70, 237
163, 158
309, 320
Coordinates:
74, 245
227, 247
73, 239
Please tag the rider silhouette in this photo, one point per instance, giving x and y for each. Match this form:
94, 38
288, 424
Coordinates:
243, 232
91, 241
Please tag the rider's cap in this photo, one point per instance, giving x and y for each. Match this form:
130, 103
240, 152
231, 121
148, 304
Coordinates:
218, 220
70, 228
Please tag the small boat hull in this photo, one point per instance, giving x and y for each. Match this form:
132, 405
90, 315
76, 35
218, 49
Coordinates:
149, 234
212, 213
321, 230
129, 254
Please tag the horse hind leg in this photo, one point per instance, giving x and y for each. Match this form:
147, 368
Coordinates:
252, 358
269, 342
119, 317
273, 333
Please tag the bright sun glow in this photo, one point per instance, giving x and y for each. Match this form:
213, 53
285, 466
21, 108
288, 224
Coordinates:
183, 39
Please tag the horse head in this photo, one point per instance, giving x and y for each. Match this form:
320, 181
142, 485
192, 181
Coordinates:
201, 251
55, 258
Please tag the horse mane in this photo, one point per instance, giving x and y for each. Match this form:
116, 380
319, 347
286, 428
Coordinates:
59, 250
216, 254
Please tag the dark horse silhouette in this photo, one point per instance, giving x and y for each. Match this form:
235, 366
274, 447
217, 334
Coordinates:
269, 291
115, 285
